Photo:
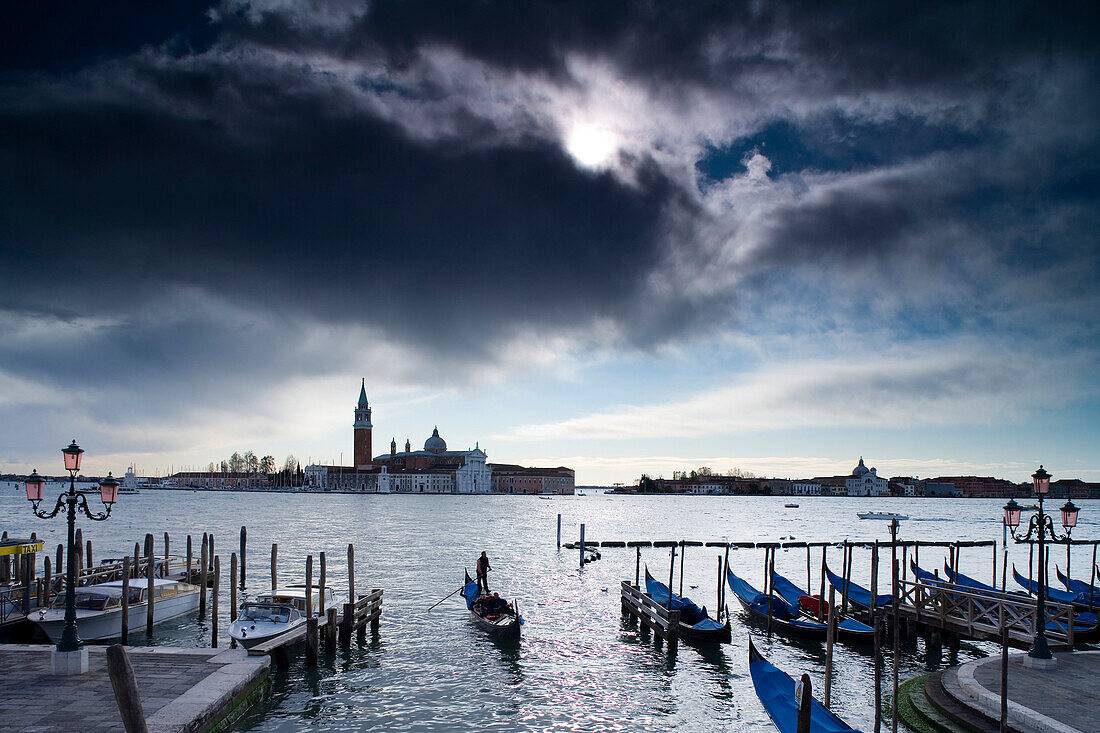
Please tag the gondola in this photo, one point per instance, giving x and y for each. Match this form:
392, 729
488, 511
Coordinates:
1032, 586
695, 623
776, 691
1083, 590
858, 596
847, 628
785, 618
504, 625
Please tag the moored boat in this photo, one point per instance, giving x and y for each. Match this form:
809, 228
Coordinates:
778, 694
695, 623
491, 612
858, 596
99, 607
1087, 594
846, 627
785, 618
276, 612
882, 515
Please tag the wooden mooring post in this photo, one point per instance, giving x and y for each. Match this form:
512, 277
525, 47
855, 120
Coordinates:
125, 637
349, 607
311, 641
244, 537
121, 673
309, 586
321, 588
188, 576
830, 638
149, 583
582, 547
897, 647
214, 603
330, 630
204, 560
233, 586
165, 569
559, 531
274, 566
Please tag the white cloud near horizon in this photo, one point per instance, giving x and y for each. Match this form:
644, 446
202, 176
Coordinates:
890, 389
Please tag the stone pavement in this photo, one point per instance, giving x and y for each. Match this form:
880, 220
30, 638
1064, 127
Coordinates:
180, 689
1061, 700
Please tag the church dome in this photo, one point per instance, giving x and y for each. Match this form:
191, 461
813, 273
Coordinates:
435, 444
861, 469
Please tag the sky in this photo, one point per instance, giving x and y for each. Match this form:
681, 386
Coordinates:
624, 237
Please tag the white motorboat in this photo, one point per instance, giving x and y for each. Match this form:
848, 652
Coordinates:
882, 515
275, 613
99, 607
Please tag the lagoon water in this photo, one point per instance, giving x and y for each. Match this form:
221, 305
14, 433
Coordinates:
578, 667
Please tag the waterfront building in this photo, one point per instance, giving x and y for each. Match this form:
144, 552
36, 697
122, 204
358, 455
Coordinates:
805, 488
433, 470
513, 479
832, 485
941, 488
980, 486
866, 482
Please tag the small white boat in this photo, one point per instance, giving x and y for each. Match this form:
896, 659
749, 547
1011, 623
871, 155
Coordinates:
273, 614
882, 515
99, 607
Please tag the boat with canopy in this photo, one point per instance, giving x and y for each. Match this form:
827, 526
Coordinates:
1087, 594
847, 628
695, 623
785, 617
491, 612
99, 607
858, 596
779, 694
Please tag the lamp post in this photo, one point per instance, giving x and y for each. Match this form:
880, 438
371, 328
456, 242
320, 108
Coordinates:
70, 656
1040, 524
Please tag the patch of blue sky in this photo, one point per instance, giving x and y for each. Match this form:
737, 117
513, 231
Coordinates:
834, 143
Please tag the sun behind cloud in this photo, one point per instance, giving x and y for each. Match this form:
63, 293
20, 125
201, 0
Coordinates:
590, 145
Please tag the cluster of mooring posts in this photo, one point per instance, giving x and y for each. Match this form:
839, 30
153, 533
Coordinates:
935, 609
20, 588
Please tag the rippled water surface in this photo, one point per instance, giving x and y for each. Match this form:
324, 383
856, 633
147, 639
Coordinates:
579, 666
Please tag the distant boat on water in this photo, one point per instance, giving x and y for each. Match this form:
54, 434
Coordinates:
882, 515
791, 506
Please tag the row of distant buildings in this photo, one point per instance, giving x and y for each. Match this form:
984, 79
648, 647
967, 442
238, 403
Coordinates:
433, 470
864, 481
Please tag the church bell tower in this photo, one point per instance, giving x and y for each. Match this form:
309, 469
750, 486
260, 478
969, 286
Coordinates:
363, 429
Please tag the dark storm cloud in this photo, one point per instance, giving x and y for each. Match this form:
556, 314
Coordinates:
214, 152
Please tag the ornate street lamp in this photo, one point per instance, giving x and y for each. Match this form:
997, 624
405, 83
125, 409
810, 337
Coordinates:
71, 657
1040, 524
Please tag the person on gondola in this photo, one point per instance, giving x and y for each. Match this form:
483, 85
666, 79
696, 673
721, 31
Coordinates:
483, 573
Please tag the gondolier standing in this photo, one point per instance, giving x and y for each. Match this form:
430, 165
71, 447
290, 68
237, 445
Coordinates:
483, 573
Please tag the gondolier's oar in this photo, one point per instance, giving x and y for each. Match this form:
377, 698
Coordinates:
444, 598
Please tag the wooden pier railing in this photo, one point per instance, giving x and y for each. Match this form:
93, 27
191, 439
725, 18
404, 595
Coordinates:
982, 614
663, 622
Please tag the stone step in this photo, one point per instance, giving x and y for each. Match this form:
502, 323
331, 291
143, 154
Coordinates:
942, 690
917, 712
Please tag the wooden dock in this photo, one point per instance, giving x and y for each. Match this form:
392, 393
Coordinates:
179, 689
366, 610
